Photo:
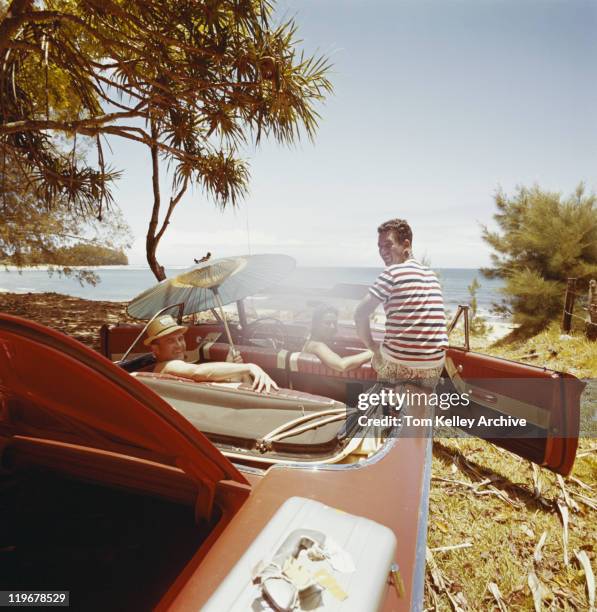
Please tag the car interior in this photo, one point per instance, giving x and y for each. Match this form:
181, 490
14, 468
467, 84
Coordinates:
113, 549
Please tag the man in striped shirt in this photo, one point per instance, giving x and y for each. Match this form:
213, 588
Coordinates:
415, 336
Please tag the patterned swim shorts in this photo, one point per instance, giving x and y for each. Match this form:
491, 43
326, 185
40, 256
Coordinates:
392, 372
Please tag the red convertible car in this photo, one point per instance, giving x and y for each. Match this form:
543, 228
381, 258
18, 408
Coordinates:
139, 491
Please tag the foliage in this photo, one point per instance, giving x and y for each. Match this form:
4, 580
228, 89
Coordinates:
193, 81
478, 324
80, 254
542, 240
31, 234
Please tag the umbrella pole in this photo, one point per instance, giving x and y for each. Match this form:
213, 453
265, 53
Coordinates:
221, 307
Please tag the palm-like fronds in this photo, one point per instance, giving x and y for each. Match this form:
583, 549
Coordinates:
194, 81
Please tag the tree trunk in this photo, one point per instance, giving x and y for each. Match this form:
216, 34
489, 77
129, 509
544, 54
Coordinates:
152, 241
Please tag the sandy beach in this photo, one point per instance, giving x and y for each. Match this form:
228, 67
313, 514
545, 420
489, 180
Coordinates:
81, 319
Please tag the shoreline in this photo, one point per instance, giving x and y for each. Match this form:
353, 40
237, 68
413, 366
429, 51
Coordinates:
137, 266
45, 307
46, 267
82, 318
123, 283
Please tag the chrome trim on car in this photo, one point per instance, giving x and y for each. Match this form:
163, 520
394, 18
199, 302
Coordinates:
418, 580
249, 469
333, 467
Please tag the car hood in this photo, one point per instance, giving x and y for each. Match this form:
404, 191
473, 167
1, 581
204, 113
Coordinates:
46, 369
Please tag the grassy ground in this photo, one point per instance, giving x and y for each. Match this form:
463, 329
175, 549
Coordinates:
552, 349
510, 516
500, 507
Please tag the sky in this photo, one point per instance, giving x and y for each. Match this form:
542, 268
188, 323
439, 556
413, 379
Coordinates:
436, 105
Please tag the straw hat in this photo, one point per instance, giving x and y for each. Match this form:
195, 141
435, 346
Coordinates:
162, 326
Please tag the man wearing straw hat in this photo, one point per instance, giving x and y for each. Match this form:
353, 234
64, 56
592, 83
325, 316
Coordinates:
166, 340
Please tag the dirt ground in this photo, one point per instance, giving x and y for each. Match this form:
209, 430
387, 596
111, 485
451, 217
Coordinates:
503, 534
78, 318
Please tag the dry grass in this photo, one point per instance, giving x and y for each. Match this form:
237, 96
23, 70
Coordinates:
552, 349
504, 520
503, 506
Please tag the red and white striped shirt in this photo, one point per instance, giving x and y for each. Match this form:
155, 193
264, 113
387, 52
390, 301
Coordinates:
412, 298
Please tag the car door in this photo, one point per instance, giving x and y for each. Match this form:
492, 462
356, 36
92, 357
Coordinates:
532, 411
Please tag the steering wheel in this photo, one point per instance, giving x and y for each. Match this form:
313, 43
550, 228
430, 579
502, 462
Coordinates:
277, 332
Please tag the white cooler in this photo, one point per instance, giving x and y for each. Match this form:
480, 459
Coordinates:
370, 546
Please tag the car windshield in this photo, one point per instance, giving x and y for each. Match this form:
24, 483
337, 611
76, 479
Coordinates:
297, 306
295, 298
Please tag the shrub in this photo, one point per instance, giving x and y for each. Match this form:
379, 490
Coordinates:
478, 323
542, 240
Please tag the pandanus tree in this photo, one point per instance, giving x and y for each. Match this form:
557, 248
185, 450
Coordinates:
192, 80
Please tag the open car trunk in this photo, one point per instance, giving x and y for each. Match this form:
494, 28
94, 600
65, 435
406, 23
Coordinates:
105, 489
111, 548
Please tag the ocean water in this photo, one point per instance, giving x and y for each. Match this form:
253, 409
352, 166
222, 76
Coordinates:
122, 283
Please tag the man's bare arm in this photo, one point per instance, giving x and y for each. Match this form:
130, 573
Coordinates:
362, 314
220, 372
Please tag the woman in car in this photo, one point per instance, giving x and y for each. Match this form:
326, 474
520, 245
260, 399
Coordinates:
324, 326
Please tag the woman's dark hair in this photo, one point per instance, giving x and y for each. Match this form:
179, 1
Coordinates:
319, 312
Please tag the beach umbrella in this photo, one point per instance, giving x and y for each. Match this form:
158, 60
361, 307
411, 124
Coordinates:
213, 284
